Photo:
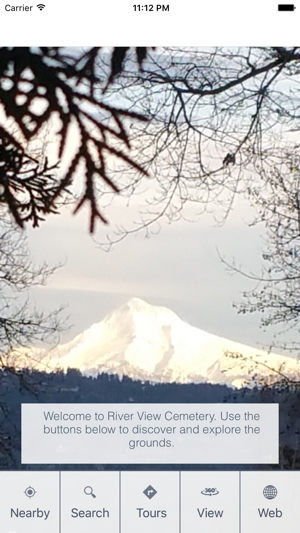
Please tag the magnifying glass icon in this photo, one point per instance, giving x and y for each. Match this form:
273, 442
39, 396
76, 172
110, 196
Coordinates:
89, 491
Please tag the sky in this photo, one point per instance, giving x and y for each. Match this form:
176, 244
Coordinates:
178, 268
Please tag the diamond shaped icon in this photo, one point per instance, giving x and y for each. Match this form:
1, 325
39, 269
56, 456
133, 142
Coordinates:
150, 492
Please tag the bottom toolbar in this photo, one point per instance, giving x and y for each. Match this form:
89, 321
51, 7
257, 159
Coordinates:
131, 502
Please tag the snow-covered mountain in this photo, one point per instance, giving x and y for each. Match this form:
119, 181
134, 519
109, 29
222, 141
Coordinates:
152, 343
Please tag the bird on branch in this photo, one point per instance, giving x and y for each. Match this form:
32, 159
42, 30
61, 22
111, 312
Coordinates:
230, 158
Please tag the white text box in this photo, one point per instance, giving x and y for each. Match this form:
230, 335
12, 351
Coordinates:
149, 433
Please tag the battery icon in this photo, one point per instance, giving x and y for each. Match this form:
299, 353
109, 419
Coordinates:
286, 7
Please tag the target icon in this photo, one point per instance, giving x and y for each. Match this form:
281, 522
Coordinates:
29, 492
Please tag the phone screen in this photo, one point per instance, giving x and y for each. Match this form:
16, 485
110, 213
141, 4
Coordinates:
149, 276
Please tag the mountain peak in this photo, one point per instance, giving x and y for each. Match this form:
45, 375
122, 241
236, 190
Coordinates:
139, 316
140, 306
137, 302
152, 343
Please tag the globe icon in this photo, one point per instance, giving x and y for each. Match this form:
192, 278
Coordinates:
270, 492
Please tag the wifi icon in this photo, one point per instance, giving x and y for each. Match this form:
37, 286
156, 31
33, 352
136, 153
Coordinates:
41, 6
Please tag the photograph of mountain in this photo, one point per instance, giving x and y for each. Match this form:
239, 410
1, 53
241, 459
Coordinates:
149, 226
151, 343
